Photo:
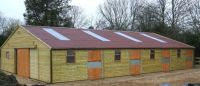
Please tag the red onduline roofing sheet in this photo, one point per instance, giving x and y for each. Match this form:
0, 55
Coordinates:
79, 39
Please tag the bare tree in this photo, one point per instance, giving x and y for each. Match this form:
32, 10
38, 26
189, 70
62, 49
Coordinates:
6, 23
115, 12
77, 16
195, 16
7, 26
138, 15
101, 24
135, 7
148, 18
11, 25
178, 13
162, 10
2, 22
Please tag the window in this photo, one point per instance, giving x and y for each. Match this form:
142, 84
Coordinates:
70, 56
178, 53
7, 55
152, 54
117, 55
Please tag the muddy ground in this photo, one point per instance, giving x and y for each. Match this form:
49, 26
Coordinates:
174, 78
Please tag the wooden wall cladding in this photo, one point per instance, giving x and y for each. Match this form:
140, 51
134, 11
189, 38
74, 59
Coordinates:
94, 55
177, 63
114, 68
188, 58
8, 64
63, 71
151, 65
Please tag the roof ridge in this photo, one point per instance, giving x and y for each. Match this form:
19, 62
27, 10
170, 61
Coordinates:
54, 27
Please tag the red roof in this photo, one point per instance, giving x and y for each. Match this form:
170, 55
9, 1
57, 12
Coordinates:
80, 39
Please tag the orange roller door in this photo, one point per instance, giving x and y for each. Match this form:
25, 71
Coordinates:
189, 53
135, 69
94, 55
189, 64
94, 73
165, 67
165, 53
23, 62
135, 54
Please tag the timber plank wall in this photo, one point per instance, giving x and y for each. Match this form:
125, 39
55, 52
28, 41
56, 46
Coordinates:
63, 71
128, 65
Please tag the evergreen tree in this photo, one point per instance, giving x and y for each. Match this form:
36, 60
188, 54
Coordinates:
47, 12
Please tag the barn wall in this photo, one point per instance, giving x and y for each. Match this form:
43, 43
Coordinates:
185, 61
63, 71
22, 39
189, 55
8, 64
175, 62
150, 65
113, 68
133, 62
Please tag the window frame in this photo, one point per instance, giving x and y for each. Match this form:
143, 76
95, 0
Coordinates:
117, 55
178, 53
152, 54
71, 55
7, 55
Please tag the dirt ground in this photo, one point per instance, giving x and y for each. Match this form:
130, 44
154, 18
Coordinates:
174, 78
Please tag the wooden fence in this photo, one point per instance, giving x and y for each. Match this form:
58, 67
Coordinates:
197, 62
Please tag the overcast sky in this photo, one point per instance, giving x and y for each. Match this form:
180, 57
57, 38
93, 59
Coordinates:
16, 8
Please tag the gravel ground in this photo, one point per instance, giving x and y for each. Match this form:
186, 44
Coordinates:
174, 78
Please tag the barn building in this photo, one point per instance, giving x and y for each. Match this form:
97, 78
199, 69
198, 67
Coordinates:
59, 54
